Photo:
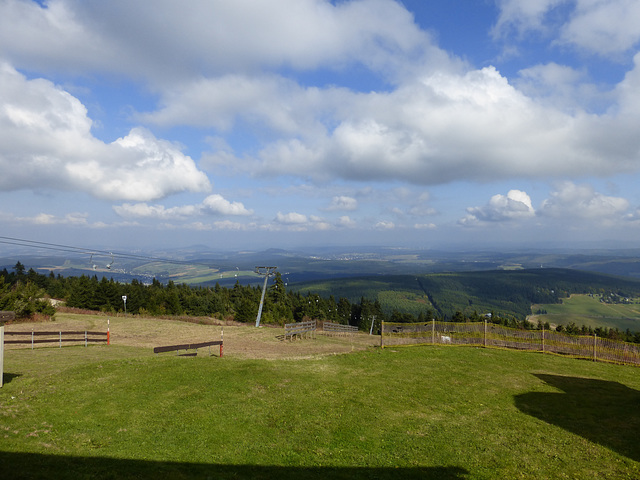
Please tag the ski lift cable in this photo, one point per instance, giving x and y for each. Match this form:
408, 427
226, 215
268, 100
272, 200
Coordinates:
91, 252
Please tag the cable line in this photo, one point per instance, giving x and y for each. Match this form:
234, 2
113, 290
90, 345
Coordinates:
85, 251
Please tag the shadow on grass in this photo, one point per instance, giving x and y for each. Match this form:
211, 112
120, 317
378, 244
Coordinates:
30, 465
7, 377
603, 412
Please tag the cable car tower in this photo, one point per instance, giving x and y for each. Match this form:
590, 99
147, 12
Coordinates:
267, 272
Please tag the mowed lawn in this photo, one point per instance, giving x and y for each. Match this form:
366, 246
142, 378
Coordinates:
590, 311
418, 412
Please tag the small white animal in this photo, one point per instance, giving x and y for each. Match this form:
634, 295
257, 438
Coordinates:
445, 339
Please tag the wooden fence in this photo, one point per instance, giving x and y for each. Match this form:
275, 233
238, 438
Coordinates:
496, 336
300, 329
59, 337
189, 346
338, 328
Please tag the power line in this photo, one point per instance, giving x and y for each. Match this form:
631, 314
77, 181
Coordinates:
86, 251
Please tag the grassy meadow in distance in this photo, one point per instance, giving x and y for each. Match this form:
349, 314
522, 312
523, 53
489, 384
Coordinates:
590, 311
445, 412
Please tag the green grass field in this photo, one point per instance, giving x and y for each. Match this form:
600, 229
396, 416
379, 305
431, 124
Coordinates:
419, 412
589, 311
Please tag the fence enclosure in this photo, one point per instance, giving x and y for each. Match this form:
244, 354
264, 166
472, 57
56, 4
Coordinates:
59, 337
496, 336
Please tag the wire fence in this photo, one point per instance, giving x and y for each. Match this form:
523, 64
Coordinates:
489, 335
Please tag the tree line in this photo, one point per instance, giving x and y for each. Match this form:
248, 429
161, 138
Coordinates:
26, 292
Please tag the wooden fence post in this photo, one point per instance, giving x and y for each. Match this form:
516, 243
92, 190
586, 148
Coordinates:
595, 341
485, 334
382, 335
542, 338
1, 353
433, 331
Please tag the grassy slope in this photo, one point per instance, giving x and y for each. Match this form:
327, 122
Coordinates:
395, 413
589, 311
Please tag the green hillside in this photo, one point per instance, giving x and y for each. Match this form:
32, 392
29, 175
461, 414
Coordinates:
591, 311
508, 292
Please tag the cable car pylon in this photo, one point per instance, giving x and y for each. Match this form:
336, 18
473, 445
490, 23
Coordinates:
267, 272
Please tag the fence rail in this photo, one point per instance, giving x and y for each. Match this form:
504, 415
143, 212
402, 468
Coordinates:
299, 329
338, 328
59, 337
496, 336
189, 346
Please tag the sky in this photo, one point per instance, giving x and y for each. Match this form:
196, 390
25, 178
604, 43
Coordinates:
252, 124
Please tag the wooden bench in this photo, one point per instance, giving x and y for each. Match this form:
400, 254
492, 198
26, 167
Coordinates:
188, 346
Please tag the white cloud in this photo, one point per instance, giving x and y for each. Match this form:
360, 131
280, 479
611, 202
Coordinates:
269, 100
73, 219
604, 27
513, 206
384, 225
218, 205
291, 218
169, 41
600, 26
346, 222
573, 201
46, 143
425, 226
299, 222
446, 127
343, 203
212, 205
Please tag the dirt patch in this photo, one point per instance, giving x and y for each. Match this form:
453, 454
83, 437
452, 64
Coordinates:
242, 341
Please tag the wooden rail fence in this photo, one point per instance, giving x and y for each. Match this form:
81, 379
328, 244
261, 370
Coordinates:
299, 329
58, 337
189, 346
338, 328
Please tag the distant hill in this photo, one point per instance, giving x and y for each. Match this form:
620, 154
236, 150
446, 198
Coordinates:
510, 292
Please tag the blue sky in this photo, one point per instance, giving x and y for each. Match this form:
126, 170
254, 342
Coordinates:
286, 123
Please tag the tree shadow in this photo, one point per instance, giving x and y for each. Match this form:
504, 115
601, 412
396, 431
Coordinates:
30, 465
603, 412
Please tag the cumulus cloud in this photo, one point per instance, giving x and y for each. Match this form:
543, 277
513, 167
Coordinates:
582, 202
218, 205
212, 205
214, 36
343, 203
46, 143
299, 222
474, 126
602, 27
346, 222
513, 206
291, 218
384, 225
